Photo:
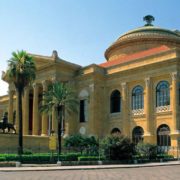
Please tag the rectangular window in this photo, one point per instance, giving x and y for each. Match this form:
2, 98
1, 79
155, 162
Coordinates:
82, 111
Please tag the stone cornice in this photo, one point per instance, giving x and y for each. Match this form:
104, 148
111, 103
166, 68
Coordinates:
171, 54
92, 69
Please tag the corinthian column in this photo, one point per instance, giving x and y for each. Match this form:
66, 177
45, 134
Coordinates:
125, 110
26, 112
44, 115
35, 109
10, 106
54, 114
17, 112
174, 104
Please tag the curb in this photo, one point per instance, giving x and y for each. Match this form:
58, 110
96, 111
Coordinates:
95, 167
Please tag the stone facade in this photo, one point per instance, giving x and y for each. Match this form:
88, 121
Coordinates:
143, 57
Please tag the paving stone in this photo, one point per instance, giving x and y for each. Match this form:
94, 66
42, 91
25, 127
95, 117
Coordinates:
142, 173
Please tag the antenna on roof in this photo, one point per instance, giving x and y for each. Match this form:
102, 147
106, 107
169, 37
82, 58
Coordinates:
148, 19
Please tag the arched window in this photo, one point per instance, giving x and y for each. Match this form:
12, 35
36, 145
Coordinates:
162, 94
137, 98
83, 105
115, 101
163, 136
115, 131
137, 134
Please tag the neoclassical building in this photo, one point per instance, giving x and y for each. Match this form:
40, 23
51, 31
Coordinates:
135, 92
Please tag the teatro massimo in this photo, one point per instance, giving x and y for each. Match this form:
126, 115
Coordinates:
135, 92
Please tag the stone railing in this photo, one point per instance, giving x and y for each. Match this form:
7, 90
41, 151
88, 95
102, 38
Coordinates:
162, 109
137, 112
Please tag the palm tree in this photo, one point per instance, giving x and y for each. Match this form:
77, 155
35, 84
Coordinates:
60, 97
21, 72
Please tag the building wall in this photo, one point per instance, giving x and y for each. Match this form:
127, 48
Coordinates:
9, 143
99, 83
101, 121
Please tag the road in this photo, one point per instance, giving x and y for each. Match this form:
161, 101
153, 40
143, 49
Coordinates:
143, 173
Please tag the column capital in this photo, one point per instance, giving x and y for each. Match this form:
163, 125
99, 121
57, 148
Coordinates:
26, 88
124, 85
147, 81
11, 87
44, 84
174, 75
35, 85
11, 92
91, 87
53, 79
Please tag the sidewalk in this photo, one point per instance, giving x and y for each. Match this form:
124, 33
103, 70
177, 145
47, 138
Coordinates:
54, 167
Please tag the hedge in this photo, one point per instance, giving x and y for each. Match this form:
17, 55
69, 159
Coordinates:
165, 156
90, 158
35, 158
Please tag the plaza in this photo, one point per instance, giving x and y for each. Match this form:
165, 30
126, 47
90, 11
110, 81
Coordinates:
149, 173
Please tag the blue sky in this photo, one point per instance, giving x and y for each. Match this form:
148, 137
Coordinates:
80, 30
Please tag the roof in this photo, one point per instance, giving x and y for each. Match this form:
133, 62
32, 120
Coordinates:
135, 56
147, 34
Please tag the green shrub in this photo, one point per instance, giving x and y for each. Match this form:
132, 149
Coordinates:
27, 152
40, 158
69, 157
88, 145
11, 157
165, 156
136, 157
2, 158
146, 150
117, 147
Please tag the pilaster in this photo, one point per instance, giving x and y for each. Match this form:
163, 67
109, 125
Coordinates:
125, 109
148, 105
17, 112
174, 103
10, 106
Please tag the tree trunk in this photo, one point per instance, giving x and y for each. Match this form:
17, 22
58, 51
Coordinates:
59, 109
20, 142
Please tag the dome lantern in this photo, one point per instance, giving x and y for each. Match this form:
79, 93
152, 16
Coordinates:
148, 19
